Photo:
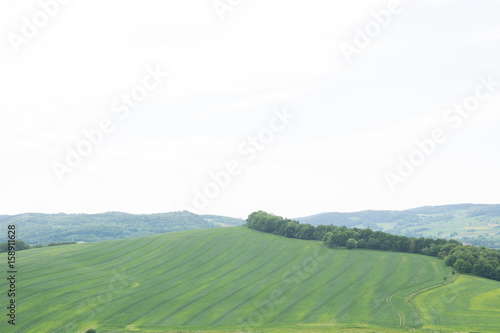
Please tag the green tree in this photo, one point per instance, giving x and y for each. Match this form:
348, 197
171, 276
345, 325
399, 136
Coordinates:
483, 268
441, 255
319, 232
412, 245
351, 243
20, 245
450, 260
340, 237
462, 266
496, 274
373, 242
433, 250
327, 239
306, 231
291, 229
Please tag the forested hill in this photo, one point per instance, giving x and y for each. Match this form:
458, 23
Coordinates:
475, 224
35, 228
464, 259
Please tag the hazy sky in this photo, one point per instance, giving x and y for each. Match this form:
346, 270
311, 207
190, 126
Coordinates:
297, 107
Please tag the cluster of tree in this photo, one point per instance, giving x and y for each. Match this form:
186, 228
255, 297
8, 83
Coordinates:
61, 243
476, 260
22, 245
464, 259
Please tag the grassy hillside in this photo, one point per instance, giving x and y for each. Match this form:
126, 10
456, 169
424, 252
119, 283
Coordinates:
476, 224
228, 280
43, 229
469, 304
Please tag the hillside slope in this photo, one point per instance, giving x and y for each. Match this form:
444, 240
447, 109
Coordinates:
465, 305
35, 228
476, 224
224, 280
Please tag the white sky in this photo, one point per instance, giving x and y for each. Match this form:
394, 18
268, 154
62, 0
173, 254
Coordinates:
352, 120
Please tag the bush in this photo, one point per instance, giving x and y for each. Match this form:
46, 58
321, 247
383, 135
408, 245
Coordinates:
351, 243
20, 245
61, 243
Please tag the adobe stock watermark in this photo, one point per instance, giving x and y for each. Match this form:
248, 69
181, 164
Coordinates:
291, 279
372, 29
31, 26
454, 119
121, 107
222, 7
118, 282
248, 150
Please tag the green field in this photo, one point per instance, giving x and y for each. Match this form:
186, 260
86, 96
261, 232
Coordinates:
238, 280
469, 304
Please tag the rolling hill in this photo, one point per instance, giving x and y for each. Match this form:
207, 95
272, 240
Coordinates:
476, 224
240, 280
35, 228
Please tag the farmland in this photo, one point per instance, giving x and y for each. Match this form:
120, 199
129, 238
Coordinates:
236, 279
469, 304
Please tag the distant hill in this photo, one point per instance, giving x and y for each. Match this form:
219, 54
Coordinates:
35, 228
223, 221
475, 224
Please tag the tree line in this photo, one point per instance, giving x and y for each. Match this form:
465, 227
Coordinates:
479, 261
22, 245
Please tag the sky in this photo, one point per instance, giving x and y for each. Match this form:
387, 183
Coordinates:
226, 107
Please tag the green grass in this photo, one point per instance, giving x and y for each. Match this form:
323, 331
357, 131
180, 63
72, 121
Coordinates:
230, 280
470, 304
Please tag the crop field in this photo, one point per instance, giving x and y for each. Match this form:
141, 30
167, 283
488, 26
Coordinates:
239, 280
470, 304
